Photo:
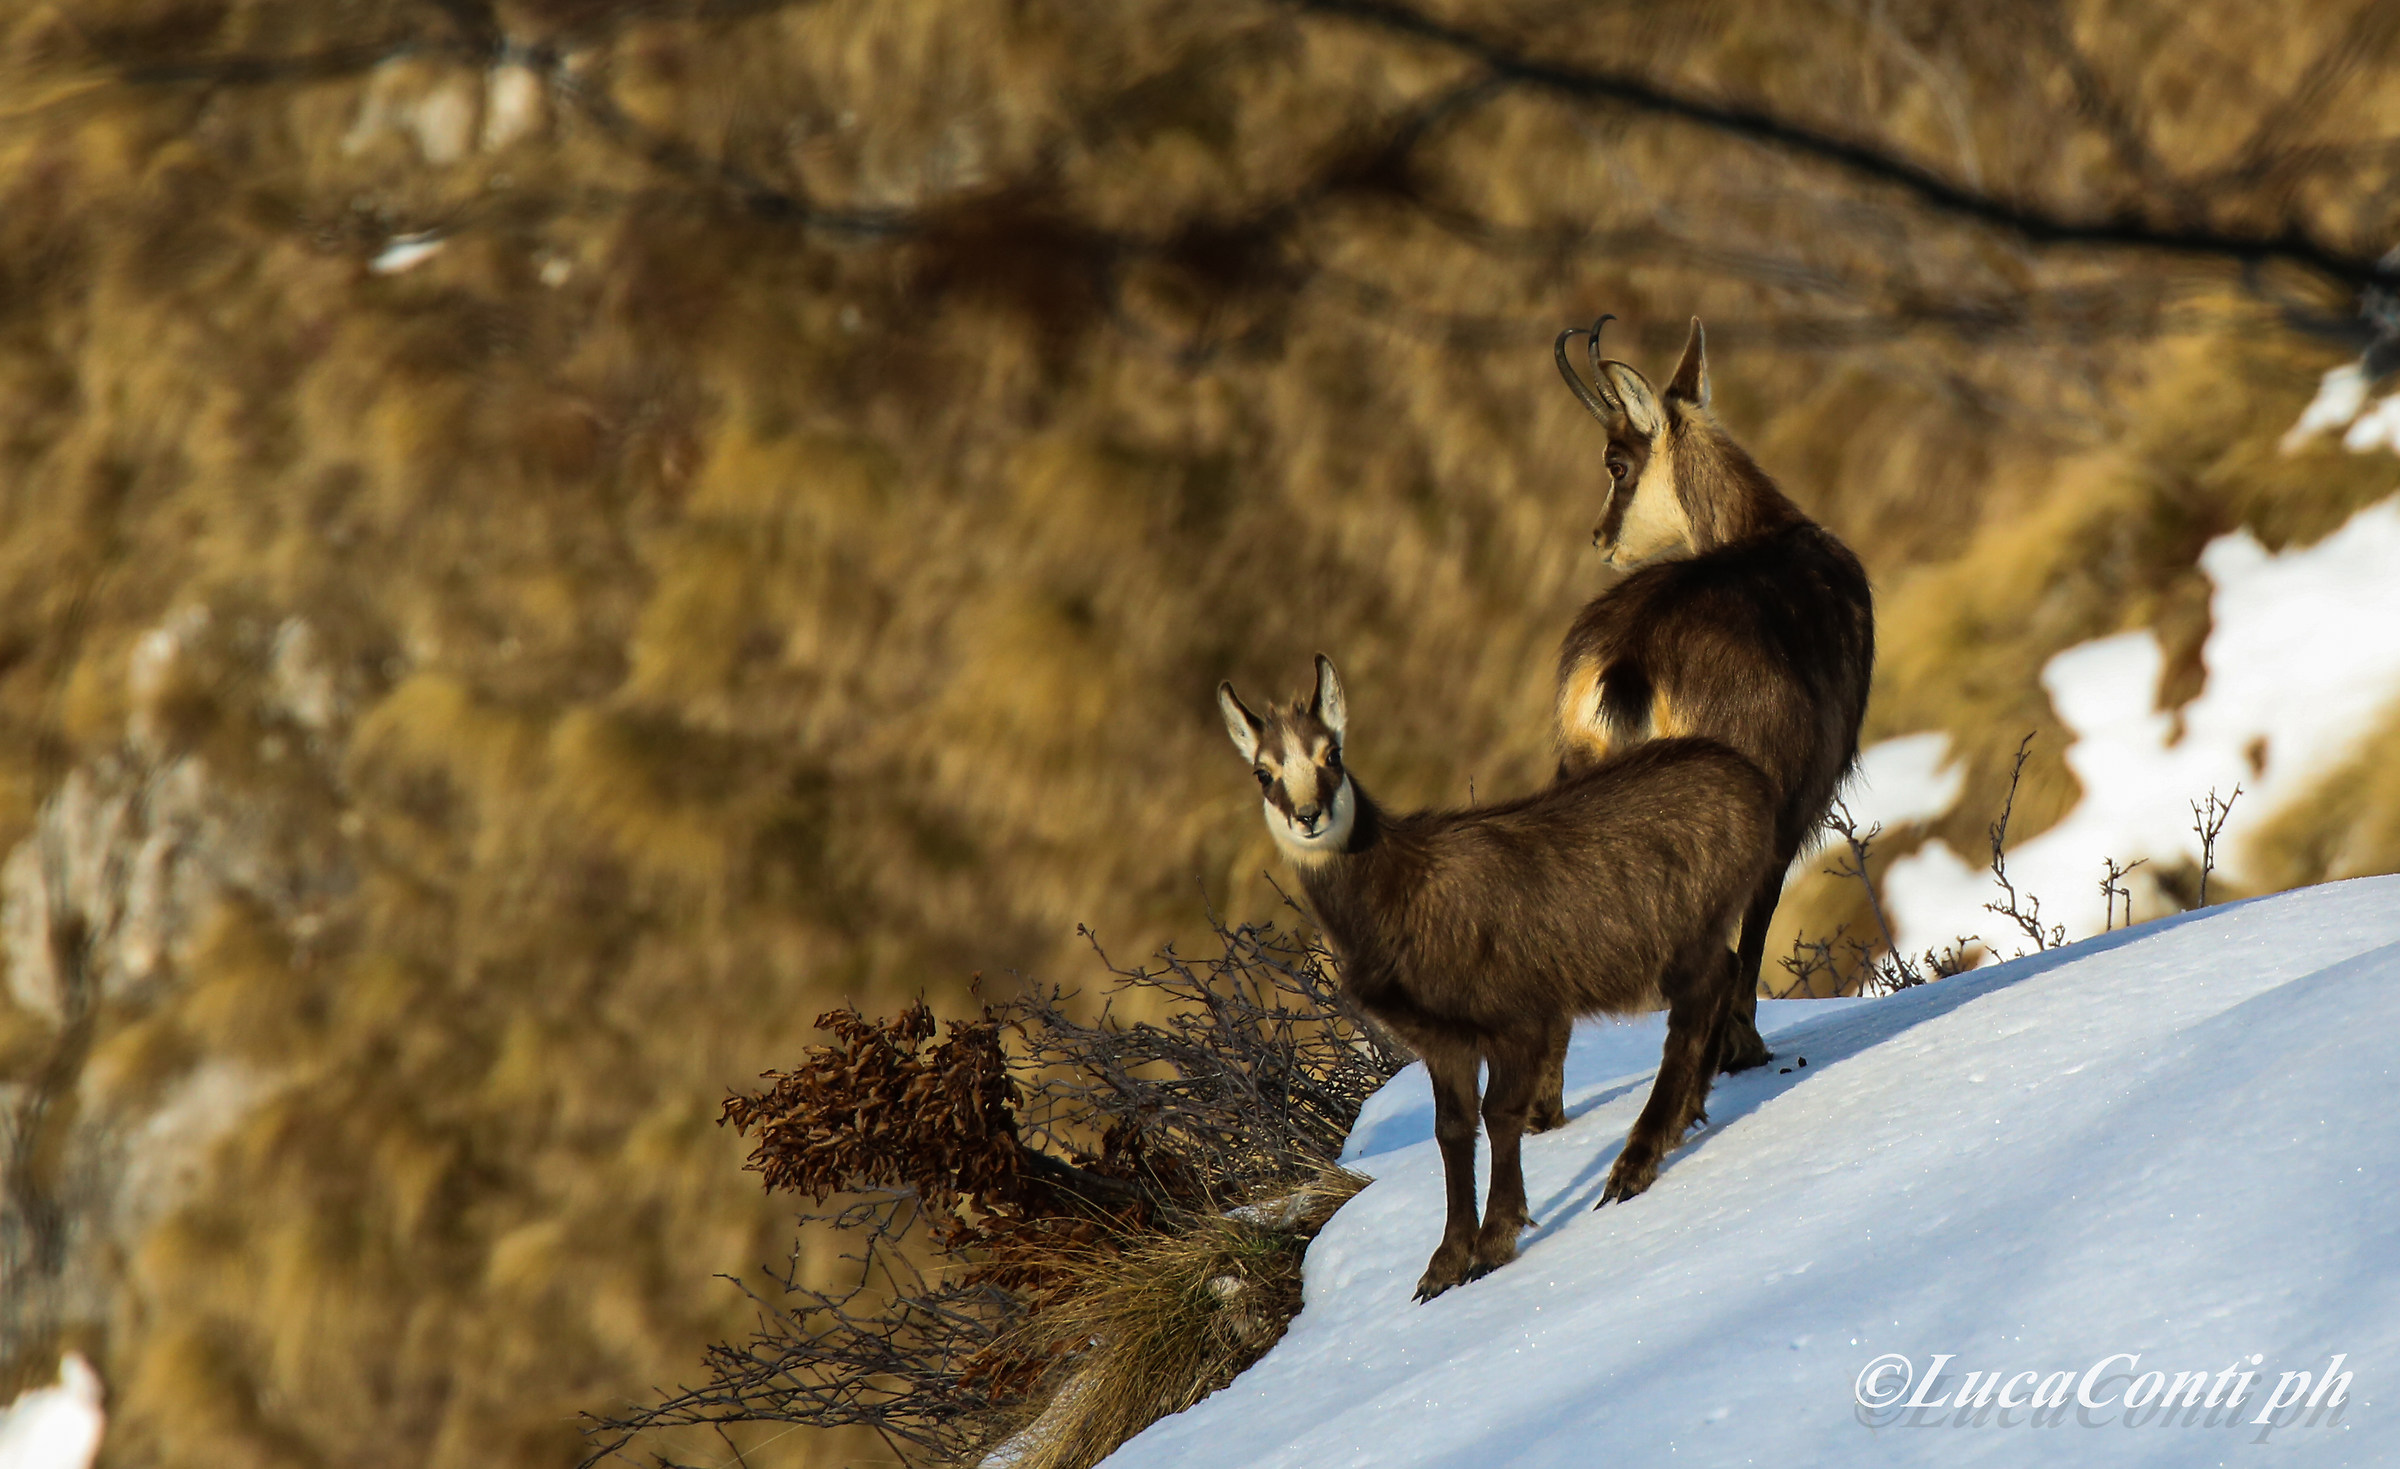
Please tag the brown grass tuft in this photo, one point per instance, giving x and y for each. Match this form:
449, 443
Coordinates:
1154, 1328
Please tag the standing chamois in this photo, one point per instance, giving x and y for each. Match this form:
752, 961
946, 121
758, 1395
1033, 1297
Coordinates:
1742, 621
1478, 934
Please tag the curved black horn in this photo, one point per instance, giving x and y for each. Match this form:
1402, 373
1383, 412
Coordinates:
1602, 404
1591, 349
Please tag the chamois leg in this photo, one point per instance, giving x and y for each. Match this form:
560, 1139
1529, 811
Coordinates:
1550, 1094
1452, 1067
1697, 1004
1742, 1048
1508, 1097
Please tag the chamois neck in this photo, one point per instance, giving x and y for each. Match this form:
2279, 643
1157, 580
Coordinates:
1727, 497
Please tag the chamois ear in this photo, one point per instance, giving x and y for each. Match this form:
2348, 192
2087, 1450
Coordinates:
1330, 707
1244, 726
1690, 384
1641, 405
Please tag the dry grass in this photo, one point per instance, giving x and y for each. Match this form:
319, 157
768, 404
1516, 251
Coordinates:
719, 619
1155, 1328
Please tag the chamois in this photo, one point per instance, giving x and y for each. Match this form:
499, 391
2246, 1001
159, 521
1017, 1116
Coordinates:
1741, 621
1476, 934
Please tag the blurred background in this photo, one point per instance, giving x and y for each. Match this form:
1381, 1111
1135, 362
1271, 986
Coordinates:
545, 543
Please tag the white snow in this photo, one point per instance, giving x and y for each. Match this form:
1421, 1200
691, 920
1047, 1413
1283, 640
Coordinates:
2342, 400
2340, 394
55, 1427
1899, 781
2173, 1143
2377, 428
2303, 662
406, 252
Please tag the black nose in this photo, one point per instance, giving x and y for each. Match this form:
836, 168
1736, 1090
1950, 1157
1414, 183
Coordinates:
1307, 817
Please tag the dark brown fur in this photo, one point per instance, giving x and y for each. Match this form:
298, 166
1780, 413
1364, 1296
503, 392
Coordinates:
1478, 934
1759, 633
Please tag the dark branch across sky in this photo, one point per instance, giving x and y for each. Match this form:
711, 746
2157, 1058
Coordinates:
2291, 244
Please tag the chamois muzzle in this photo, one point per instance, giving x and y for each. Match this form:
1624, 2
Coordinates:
1595, 396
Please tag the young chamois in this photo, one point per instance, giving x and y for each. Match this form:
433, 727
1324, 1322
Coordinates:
1742, 621
1477, 934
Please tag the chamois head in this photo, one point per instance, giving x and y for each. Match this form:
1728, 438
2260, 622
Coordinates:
1296, 754
1676, 484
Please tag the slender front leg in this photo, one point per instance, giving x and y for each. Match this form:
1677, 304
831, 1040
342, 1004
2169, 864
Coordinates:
1742, 1047
1550, 1095
1697, 1003
1452, 1068
1516, 1074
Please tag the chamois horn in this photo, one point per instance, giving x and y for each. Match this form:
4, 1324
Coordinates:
1595, 396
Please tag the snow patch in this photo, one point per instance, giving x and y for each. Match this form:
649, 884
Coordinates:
2342, 400
2303, 663
1906, 780
55, 1427
2172, 1142
406, 252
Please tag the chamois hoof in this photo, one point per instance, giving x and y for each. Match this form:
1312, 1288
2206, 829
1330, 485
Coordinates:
1632, 1175
1429, 1285
1447, 1268
1547, 1116
1493, 1249
1742, 1049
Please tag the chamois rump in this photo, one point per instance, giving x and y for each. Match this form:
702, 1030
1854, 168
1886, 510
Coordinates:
1741, 621
1477, 934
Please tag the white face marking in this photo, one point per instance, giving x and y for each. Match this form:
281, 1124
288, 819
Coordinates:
1333, 830
1298, 777
1654, 525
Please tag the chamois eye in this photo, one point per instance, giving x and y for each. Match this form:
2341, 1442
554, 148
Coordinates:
1333, 757
1264, 779
1616, 469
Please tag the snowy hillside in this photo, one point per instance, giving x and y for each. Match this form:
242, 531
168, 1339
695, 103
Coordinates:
2171, 1149
2302, 665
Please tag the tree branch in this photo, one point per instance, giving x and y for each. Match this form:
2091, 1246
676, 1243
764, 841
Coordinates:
2291, 244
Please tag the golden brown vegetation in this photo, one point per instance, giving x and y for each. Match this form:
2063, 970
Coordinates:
1165, 1323
456, 720
1061, 1228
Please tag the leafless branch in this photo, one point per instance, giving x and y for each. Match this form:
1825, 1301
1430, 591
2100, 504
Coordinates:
2113, 888
2208, 819
2026, 912
1102, 1132
2289, 241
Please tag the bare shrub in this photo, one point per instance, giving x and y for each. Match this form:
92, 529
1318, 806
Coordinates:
2208, 822
1063, 1228
1839, 964
2025, 912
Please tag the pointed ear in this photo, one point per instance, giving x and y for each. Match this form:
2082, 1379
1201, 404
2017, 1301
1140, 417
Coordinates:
1244, 726
1690, 384
1641, 405
1330, 705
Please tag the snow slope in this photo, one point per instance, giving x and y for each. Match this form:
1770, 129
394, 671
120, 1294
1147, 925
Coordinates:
2176, 1142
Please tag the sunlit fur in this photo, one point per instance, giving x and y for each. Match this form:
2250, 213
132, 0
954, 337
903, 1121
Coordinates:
1477, 935
1741, 621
